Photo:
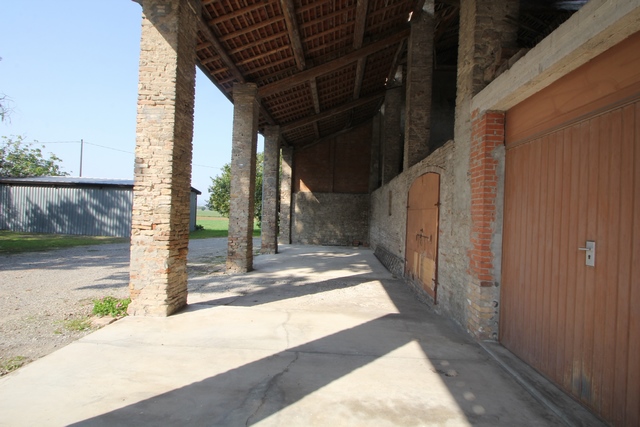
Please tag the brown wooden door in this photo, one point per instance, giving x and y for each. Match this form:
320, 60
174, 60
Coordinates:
577, 324
422, 232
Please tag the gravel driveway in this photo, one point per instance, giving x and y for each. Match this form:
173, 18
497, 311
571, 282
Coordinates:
42, 293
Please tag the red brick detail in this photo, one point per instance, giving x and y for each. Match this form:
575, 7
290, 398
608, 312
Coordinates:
487, 134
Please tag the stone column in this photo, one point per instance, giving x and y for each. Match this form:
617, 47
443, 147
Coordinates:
270, 190
285, 196
162, 175
243, 178
391, 131
417, 128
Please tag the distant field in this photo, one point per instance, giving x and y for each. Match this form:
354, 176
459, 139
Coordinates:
214, 225
15, 242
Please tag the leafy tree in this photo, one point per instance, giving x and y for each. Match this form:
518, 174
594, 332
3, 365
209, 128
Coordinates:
19, 159
220, 190
5, 108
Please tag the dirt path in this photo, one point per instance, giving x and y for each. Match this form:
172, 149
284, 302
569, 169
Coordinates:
46, 296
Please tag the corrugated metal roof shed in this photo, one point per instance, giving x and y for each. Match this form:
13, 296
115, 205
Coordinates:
71, 205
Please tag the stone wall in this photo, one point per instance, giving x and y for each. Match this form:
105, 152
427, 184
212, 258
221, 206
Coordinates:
330, 219
388, 228
330, 204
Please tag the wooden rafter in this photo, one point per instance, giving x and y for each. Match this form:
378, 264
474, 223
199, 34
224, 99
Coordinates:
262, 42
254, 58
328, 67
335, 14
314, 95
361, 18
255, 27
236, 14
226, 60
288, 10
359, 76
332, 112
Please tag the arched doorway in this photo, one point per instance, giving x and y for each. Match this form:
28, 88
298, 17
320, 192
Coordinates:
421, 255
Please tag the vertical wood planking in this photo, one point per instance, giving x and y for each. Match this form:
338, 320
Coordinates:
563, 280
610, 284
572, 264
581, 274
589, 283
624, 267
551, 342
538, 308
527, 250
633, 378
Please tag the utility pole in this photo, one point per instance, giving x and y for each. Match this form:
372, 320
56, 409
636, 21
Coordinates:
81, 149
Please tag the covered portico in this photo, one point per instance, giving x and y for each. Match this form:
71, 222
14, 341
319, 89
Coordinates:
297, 72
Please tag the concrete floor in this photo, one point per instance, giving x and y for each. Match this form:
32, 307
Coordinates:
315, 336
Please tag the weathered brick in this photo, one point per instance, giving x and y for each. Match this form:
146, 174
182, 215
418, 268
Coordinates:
158, 279
270, 190
243, 178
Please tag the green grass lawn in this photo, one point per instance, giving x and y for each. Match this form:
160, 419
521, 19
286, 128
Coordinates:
214, 225
16, 242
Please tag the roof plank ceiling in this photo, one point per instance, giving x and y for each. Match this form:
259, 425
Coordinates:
320, 66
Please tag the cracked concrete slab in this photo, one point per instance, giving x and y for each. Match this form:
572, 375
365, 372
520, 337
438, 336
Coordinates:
315, 336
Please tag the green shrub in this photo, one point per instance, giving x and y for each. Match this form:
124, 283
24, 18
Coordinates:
111, 306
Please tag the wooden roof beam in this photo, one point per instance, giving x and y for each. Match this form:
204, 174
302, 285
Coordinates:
311, 73
261, 42
226, 60
314, 95
361, 18
235, 14
288, 10
332, 112
257, 26
357, 87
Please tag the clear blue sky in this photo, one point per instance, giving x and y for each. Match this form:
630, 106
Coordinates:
70, 68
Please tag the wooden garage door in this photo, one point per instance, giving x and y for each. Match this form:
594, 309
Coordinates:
421, 253
578, 324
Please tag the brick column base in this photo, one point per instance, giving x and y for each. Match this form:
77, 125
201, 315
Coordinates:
487, 174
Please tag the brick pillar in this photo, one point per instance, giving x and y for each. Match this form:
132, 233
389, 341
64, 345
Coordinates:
487, 175
485, 37
270, 190
418, 87
162, 175
285, 196
243, 178
391, 132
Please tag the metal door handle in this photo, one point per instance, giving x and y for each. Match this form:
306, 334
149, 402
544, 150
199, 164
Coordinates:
590, 256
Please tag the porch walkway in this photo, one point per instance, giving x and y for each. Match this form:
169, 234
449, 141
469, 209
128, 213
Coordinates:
316, 336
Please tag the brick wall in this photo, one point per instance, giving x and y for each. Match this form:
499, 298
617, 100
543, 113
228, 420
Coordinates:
487, 174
